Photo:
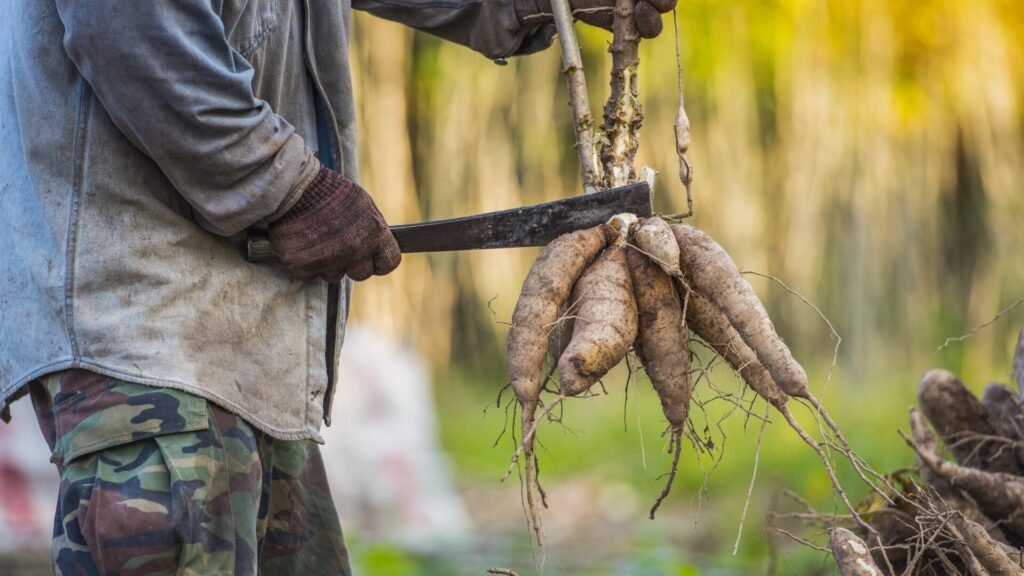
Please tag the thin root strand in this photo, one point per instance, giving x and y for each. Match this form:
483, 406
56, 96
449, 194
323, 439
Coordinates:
676, 447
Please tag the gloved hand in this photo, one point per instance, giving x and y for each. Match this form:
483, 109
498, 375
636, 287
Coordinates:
334, 230
600, 13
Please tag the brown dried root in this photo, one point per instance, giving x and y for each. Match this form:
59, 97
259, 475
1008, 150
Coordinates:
988, 553
1007, 417
963, 423
852, 555
999, 495
710, 324
711, 272
939, 486
904, 543
935, 543
860, 467
960, 518
604, 326
897, 532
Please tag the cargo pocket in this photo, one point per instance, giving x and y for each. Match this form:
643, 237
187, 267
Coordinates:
211, 504
93, 413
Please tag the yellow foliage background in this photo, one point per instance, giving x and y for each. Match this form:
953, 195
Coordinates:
867, 152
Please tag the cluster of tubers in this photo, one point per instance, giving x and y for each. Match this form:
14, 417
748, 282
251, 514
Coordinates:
642, 285
594, 295
964, 516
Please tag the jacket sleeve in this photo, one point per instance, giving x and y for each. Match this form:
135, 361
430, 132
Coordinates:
168, 78
490, 27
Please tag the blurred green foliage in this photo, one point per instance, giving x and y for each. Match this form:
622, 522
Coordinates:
605, 467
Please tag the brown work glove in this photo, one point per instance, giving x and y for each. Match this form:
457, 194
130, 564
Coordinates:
600, 13
334, 230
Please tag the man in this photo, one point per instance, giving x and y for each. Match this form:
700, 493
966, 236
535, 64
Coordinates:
181, 387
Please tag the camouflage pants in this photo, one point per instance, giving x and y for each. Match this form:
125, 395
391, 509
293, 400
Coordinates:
158, 481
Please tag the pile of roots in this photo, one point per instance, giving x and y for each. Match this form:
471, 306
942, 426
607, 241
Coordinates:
959, 516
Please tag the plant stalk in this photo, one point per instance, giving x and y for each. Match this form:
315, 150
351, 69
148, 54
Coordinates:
622, 115
579, 101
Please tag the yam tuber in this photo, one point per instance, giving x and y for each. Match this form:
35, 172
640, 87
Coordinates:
605, 324
713, 326
952, 497
853, 557
963, 423
545, 291
1007, 417
989, 554
714, 274
710, 324
655, 238
663, 347
999, 495
662, 336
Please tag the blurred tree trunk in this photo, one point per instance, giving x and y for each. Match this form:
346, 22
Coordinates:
963, 237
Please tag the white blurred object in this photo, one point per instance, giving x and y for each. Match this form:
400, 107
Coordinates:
28, 483
388, 473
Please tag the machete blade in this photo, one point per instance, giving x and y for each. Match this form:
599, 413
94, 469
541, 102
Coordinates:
535, 225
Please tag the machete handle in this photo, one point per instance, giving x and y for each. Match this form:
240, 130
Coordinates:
259, 249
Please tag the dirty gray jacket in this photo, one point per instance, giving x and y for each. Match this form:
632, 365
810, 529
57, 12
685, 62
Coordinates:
140, 144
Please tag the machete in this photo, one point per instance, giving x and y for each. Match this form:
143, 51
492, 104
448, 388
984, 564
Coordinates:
535, 225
